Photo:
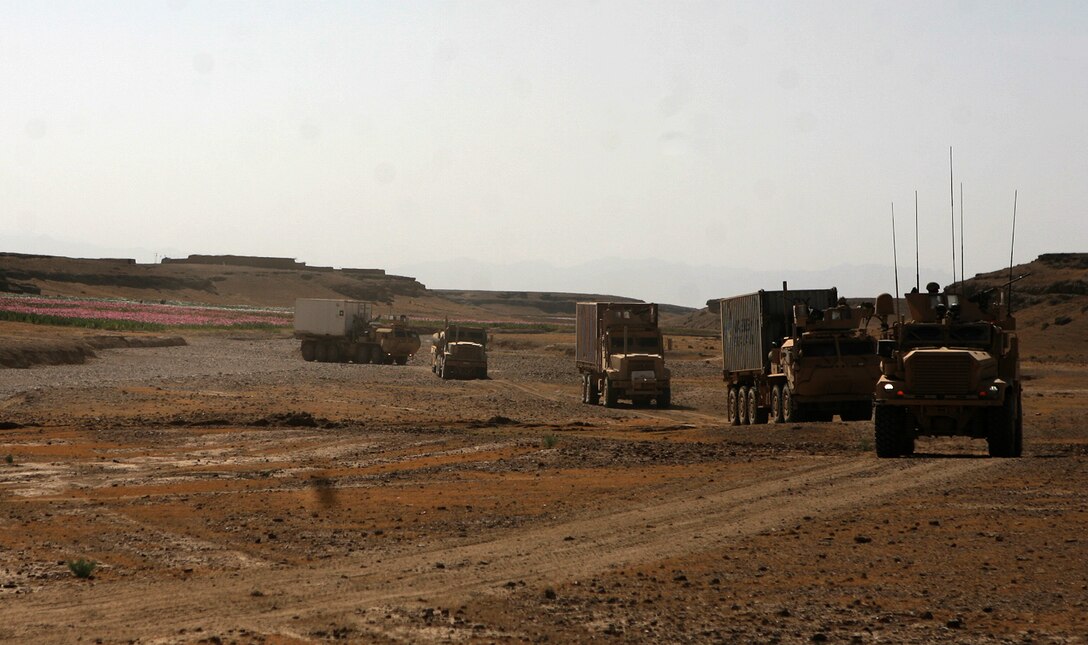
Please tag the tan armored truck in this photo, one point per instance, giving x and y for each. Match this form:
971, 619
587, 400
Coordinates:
620, 354
790, 356
459, 352
339, 331
951, 369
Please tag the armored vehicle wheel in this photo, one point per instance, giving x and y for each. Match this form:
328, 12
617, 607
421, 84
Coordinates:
775, 415
402, 360
308, 350
789, 408
1001, 429
742, 405
664, 400
610, 394
732, 412
888, 426
1019, 450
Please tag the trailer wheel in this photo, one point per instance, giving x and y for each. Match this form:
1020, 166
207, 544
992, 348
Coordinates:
585, 389
756, 416
610, 394
732, 411
888, 426
592, 393
308, 350
742, 405
320, 352
362, 354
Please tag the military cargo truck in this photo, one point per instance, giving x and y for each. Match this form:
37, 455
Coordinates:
791, 356
951, 369
620, 354
339, 331
458, 351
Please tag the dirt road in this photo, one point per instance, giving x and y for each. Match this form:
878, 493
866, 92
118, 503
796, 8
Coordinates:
231, 492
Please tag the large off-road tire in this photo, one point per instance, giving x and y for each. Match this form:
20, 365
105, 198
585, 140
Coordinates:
362, 354
756, 414
664, 400
401, 360
742, 405
594, 392
789, 408
1019, 426
1001, 429
732, 409
775, 414
889, 428
611, 396
308, 349
321, 352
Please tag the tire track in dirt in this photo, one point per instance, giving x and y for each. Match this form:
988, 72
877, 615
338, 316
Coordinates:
693, 520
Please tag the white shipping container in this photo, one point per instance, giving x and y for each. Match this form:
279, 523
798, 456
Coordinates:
326, 317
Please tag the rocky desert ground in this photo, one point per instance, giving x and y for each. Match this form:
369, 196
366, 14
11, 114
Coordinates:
230, 492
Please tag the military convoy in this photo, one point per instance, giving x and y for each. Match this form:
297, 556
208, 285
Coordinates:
459, 351
951, 369
339, 331
790, 356
620, 353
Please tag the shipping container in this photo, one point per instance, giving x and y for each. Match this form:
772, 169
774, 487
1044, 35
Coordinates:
327, 317
752, 324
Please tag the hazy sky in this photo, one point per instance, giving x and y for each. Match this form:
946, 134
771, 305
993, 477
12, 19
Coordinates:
385, 134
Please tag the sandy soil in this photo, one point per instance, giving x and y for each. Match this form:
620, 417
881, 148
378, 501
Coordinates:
232, 492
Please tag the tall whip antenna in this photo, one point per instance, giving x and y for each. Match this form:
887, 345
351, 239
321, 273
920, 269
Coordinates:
952, 197
963, 274
1012, 247
917, 278
895, 261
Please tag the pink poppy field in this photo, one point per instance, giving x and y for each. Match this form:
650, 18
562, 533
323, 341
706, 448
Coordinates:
136, 315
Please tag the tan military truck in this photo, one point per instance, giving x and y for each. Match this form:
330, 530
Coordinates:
620, 354
790, 356
339, 331
951, 369
459, 351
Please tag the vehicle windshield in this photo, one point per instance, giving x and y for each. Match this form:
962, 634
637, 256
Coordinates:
636, 344
936, 335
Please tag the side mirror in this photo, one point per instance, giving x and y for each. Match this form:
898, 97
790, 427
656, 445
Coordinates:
885, 347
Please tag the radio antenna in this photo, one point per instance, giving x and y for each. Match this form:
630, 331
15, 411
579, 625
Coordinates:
917, 278
963, 275
1012, 247
895, 261
952, 198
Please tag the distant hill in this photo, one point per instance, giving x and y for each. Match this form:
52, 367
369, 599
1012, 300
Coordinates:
263, 281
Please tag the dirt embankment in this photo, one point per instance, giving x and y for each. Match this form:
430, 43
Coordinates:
22, 348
